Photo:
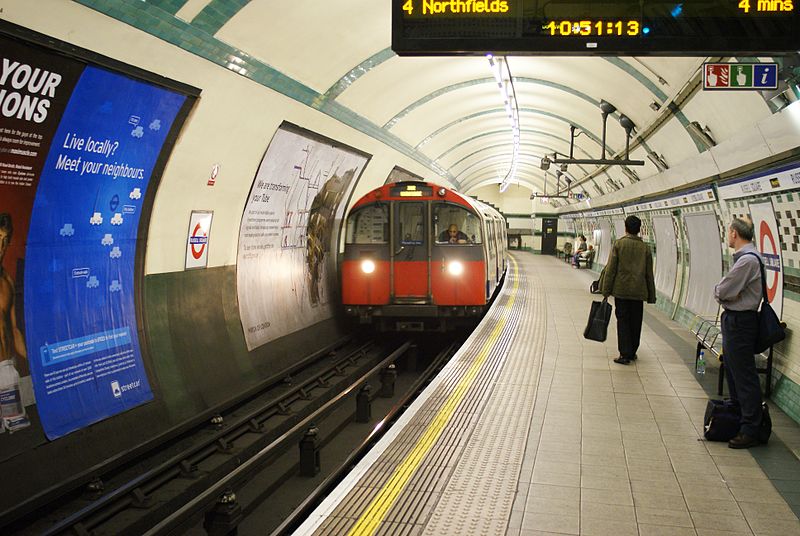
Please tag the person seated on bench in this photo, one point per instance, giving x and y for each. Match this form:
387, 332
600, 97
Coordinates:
586, 257
580, 249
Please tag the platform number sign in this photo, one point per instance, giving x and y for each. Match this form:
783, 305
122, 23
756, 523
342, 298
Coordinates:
740, 76
408, 7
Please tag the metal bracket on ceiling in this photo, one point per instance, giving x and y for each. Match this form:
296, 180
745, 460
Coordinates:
606, 108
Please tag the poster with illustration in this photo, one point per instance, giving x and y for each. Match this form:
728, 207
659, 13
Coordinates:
286, 261
77, 152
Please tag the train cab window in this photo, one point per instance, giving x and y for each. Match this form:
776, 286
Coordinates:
368, 225
410, 224
454, 224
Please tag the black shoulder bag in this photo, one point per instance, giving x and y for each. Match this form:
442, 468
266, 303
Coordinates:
770, 330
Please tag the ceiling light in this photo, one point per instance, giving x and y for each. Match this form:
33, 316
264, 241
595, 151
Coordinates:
607, 107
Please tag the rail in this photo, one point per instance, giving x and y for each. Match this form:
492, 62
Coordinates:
208, 497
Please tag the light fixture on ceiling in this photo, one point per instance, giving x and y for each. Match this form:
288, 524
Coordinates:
628, 125
658, 161
702, 134
655, 106
545, 163
512, 110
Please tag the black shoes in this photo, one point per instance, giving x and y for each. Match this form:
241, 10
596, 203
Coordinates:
743, 441
626, 360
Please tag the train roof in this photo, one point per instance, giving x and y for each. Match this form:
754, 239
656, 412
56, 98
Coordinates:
424, 191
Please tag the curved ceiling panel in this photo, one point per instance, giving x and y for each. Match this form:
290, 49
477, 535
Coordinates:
447, 113
314, 42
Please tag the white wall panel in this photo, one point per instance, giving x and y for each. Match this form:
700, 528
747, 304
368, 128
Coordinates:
666, 254
705, 263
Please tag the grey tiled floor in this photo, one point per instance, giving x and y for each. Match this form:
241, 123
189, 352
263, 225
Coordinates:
618, 449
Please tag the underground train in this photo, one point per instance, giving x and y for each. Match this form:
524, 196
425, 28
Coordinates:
419, 257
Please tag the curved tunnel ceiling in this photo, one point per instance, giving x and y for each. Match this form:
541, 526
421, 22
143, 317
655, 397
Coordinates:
445, 112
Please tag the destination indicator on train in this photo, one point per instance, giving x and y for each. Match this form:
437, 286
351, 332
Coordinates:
568, 27
739, 76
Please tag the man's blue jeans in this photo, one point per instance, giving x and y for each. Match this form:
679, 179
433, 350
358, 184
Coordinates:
739, 332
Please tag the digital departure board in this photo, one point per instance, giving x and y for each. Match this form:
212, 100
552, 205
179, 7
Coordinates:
568, 27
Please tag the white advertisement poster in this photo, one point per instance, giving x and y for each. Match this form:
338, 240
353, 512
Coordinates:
286, 259
602, 239
767, 240
197, 241
705, 263
666, 255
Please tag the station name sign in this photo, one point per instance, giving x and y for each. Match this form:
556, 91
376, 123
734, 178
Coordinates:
566, 27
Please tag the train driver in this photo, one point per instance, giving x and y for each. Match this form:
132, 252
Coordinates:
452, 235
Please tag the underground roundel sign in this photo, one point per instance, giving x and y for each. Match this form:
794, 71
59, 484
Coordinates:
768, 243
769, 251
197, 243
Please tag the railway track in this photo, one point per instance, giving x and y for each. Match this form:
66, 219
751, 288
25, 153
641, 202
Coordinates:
211, 477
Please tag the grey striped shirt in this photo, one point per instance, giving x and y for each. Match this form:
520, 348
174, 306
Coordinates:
740, 289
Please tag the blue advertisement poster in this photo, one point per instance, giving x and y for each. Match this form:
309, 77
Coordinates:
82, 343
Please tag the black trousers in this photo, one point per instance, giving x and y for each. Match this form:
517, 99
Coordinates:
629, 325
739, 333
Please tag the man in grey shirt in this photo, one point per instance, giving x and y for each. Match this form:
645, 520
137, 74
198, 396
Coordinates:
739, 293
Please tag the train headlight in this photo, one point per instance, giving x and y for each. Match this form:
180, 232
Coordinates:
367, 266
455, 268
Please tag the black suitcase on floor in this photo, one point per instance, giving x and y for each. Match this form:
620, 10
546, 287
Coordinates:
721, 421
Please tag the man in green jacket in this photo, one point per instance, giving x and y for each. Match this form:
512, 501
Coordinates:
628, 277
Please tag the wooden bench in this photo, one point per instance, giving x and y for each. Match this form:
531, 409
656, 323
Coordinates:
709, 337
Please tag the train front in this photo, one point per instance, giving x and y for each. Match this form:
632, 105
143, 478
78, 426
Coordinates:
415, 259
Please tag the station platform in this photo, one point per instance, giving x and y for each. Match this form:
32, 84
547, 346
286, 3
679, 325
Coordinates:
531, 429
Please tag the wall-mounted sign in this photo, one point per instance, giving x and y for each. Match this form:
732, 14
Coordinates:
695, 197
197, 241
768, 183
212, 179
757, 76
631, 27
79, 146
767, 240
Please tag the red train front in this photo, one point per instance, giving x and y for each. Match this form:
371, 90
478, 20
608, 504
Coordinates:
419, 256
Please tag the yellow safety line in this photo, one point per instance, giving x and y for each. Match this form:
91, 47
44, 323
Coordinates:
380, 505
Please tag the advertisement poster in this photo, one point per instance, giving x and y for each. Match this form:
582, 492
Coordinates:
197, 241
77, 151
767, 241
286, 262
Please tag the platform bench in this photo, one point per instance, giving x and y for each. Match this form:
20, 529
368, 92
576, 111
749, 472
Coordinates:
587, 262
709, 338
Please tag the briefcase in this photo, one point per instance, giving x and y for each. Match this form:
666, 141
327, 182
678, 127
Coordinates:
599, 317
721, 421
723, 418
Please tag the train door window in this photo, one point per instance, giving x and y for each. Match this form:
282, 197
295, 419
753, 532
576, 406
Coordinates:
454, 224
368, 225
410, 223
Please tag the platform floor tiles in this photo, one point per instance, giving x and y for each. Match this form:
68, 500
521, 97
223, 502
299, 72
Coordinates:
618, 450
